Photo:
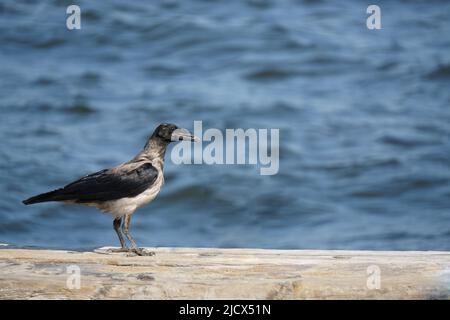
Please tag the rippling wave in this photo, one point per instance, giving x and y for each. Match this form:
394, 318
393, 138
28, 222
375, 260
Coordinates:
363, 117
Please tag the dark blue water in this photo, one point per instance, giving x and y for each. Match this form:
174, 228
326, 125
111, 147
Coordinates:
364, 119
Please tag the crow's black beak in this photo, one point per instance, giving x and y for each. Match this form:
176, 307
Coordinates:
183, 135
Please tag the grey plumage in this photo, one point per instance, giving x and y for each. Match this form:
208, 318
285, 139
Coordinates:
122, 189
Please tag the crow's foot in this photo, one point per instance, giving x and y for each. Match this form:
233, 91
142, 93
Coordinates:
142, 252
118, 250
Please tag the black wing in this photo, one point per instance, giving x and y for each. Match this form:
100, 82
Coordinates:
103, 186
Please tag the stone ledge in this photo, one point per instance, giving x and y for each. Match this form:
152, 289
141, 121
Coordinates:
204, 273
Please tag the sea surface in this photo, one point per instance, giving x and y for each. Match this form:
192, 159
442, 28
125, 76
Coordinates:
364, 120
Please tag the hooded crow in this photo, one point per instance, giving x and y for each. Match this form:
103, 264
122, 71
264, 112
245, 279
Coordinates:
121, 190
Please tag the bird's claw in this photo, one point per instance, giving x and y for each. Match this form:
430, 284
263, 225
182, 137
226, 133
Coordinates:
142, 252
132, 251
118, 250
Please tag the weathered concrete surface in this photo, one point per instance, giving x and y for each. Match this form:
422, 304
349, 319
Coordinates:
193, 273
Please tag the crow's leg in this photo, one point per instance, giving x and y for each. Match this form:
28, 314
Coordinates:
117, 222
134, 247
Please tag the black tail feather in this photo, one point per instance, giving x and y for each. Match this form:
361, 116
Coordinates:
54, 195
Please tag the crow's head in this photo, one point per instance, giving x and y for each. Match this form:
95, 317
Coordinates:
170, 133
